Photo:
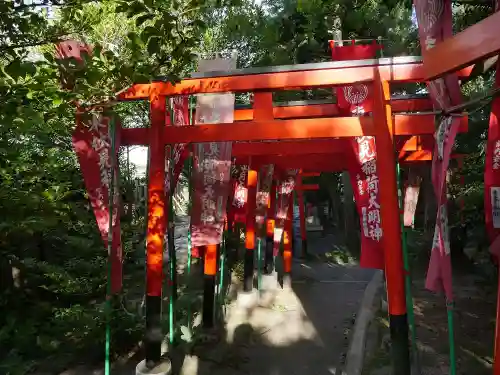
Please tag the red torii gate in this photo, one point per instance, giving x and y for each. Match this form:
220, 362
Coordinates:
297, 123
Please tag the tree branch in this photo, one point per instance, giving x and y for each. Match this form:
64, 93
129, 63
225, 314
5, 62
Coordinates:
54, 3
6, 47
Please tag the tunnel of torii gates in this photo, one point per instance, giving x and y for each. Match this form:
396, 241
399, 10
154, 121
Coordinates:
311, 139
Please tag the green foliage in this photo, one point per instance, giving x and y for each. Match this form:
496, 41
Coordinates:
52, 259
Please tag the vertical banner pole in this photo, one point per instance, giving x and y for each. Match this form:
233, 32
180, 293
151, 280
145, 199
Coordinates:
271, 211
302, 215
222, 261
171, 254
391, 239
462, 184
287, 244
406, 262
190, 195
259, 264
155, 231
451, 337
171, 240
189, 260
111, 193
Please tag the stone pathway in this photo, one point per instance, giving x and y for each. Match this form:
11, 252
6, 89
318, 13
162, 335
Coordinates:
302, 329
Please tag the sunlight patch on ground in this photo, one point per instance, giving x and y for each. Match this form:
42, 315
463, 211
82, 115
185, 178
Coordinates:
280, 323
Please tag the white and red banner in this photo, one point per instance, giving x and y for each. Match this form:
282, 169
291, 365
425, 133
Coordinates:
263, 191
354, 99
435, 25
364, 179
238, 209
362, 160
65, 51
492, 171
93, 147
410, 202
180, 117
285, 189
212, 163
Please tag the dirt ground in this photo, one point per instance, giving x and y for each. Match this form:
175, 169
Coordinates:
474, 322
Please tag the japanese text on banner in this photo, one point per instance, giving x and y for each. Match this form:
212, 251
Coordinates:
369, 185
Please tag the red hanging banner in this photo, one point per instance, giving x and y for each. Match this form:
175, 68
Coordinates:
357, 100
65, 51
354, 51
410, 202
263, 191
93, 148
364, 180
240, 196
284, 189
492, 173
180, 110
354, 99
435, 25
212, 163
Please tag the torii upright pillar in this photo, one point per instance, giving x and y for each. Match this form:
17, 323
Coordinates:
250, 229
391, 239
155, 232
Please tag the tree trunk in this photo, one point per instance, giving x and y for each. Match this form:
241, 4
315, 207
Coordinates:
430, 203
336, 204
351, 226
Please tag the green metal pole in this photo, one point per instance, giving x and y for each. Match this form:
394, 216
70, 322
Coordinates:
259, 265
189, 260
173, 265
190, 172
406, 264
451, 337
111, 191
221, 271
171, 245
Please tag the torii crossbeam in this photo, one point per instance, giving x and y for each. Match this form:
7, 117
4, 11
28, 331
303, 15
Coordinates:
318, 124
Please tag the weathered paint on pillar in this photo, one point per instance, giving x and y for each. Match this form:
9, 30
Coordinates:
157, 217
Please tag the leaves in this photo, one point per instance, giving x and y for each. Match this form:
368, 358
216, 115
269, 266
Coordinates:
154, 45
49, 233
